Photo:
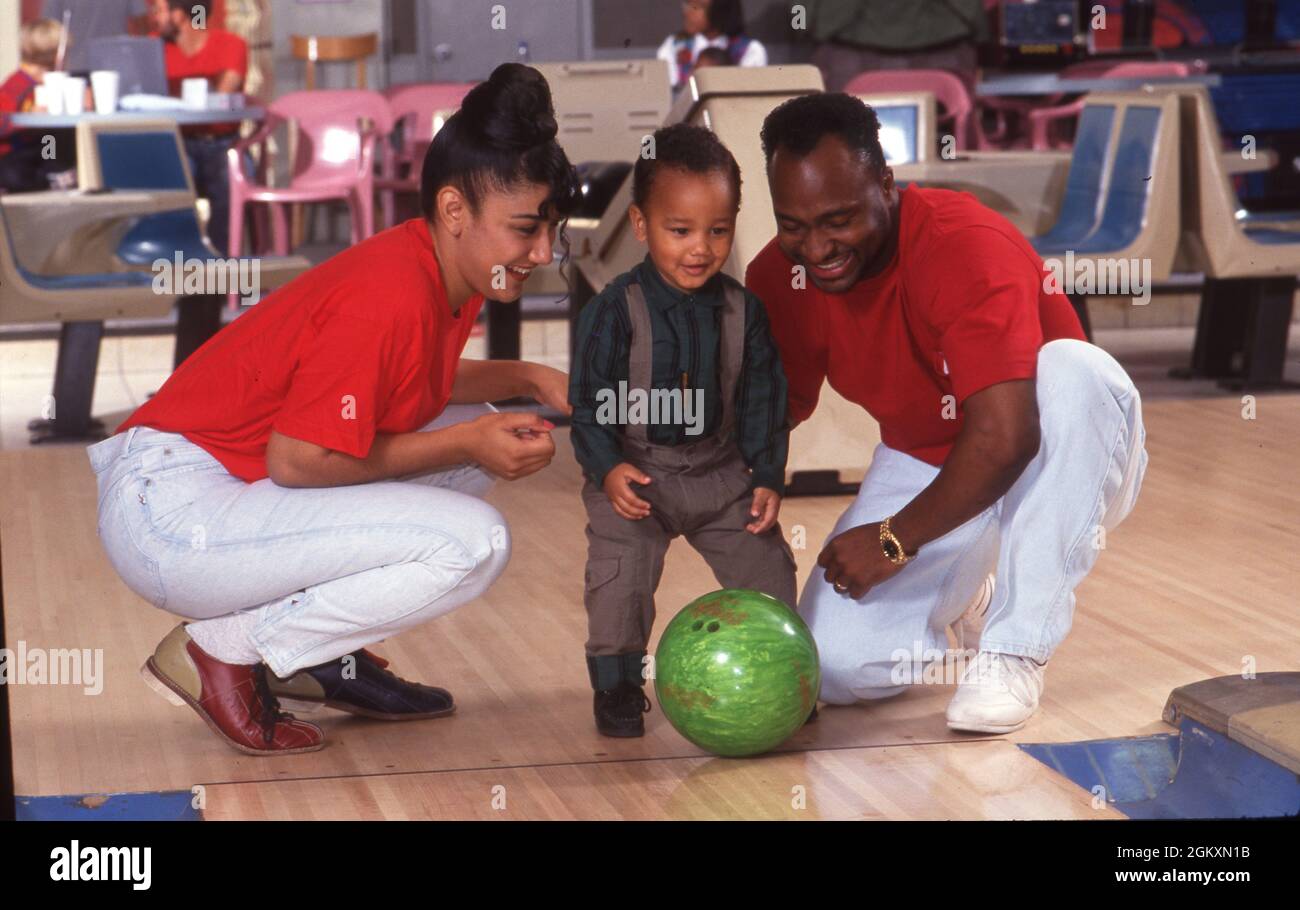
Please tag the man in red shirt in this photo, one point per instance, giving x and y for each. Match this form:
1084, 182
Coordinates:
1009, 444
196, 50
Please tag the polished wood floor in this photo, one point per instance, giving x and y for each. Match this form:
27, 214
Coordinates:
1201, 581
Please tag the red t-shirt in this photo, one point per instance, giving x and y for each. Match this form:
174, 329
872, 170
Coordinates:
961, 307
364, 343
222, 51
17, 96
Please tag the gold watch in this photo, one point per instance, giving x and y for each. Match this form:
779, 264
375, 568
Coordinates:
892, 547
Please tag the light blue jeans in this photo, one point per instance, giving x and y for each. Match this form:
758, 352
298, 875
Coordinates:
1041, 539
322, 571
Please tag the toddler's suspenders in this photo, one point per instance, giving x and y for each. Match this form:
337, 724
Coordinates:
732, 347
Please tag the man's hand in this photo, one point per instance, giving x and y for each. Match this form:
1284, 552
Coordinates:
766, 507
510, 446
621, 495
228, 83
551, 388
854, 560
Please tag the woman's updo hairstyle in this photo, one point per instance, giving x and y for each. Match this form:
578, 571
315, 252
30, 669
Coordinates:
502, 136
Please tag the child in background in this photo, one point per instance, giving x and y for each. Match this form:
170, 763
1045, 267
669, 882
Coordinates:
712, 56
709, 24
711, 469
23, 167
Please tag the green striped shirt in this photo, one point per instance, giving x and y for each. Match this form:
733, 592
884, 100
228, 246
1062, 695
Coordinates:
686, 332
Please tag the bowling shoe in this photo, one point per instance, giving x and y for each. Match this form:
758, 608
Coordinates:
619, 710
997, 693
361, 683
620, 699
233, 699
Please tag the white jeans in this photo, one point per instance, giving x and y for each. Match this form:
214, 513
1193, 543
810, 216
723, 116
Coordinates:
1042, 537
324, 571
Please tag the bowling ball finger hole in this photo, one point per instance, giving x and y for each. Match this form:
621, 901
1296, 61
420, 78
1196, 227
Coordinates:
713, 627
698, 626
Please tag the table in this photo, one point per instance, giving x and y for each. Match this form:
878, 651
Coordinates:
1051, 84
38, 121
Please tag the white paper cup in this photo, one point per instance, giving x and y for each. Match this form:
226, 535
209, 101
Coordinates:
54, 91
74, 95
194, 92
106, 84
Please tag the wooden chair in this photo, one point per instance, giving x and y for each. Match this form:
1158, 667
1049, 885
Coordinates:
335, 49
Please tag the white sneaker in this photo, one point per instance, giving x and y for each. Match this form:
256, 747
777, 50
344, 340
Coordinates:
970, 625
997, 693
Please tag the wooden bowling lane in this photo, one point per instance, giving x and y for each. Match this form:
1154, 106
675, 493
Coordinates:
514, 659
1200, 578
939, 781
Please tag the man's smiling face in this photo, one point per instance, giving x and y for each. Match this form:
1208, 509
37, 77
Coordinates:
836, 214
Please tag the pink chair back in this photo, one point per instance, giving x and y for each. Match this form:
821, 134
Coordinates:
329, 149
948, 90
414, 105
1043, 117
1086, 69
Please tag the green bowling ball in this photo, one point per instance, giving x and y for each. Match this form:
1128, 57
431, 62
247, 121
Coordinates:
736, 672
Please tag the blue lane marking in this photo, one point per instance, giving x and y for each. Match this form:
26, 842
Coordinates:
136, 807
1130, 769
1195, 773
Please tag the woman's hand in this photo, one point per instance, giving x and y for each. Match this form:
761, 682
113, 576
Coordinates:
510, 446
551, 388
854, 561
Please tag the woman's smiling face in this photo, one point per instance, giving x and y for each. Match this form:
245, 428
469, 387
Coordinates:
505, 240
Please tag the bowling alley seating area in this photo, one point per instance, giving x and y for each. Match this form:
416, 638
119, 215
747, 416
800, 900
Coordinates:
1091, 160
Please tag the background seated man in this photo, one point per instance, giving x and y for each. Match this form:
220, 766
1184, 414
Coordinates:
196, 49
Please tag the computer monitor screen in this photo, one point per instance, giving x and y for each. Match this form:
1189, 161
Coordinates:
140, 161
898, 133
138, 61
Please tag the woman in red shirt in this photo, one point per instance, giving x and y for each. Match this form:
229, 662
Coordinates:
309, 481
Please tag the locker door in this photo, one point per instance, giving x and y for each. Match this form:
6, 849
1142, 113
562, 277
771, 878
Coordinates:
467, 39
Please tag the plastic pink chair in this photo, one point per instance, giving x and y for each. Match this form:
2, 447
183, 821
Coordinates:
947, 89
336, 131
1010, 127
413, 106
1041, 119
